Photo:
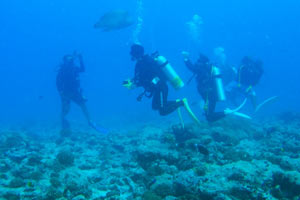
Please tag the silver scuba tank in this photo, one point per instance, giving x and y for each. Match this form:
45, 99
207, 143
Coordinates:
218, 83
169, 72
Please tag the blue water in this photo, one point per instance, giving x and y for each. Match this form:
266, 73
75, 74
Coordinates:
34, 36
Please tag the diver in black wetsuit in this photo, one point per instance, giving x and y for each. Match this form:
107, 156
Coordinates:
148, 74
248, 75
68, 86
202, 69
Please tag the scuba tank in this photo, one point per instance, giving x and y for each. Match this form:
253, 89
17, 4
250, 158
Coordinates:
218, 83
169, 72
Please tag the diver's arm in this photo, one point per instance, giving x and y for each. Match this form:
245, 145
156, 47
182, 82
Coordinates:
136, 77
187, 61
133, 82
190, 65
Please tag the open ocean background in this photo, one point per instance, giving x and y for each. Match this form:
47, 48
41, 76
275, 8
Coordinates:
34, 35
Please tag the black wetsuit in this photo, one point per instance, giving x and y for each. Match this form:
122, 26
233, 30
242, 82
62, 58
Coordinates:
248, 75
250, 72
149, 76
205, 86
68, 85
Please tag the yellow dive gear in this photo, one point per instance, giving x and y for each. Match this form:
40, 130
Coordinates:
190, 112
249, 89
170, 73
129, 84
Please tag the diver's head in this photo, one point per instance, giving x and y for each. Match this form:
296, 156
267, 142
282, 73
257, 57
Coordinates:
68, 59
197, 19
137, 51
203, 60
246, 61
250, 62
253, 63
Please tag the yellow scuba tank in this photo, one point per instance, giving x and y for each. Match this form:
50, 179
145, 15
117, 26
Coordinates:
169, 72
218, 83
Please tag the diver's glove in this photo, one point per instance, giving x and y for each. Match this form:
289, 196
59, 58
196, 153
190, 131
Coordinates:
186, 55
129, 84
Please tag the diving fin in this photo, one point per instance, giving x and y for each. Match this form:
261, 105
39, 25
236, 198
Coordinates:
265, 102
241, 115
234, 112
189, 110
241, 106
180, 118
98, 128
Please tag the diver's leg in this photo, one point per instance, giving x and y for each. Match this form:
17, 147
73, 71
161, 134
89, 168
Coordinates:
65, 109
210, 113
81, 102
170, 107
156, 100
252, 96
85, 111
167, 107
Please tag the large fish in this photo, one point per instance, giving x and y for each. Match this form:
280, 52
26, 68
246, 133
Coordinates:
114, 20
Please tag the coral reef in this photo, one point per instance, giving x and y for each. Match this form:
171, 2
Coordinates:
229, 159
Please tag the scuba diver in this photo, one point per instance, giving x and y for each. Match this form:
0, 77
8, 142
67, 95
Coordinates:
152, 73
149, 76
68, 86
228, 72
209, 85
248, 75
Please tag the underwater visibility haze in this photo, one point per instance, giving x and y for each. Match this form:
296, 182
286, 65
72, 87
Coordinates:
142, 99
